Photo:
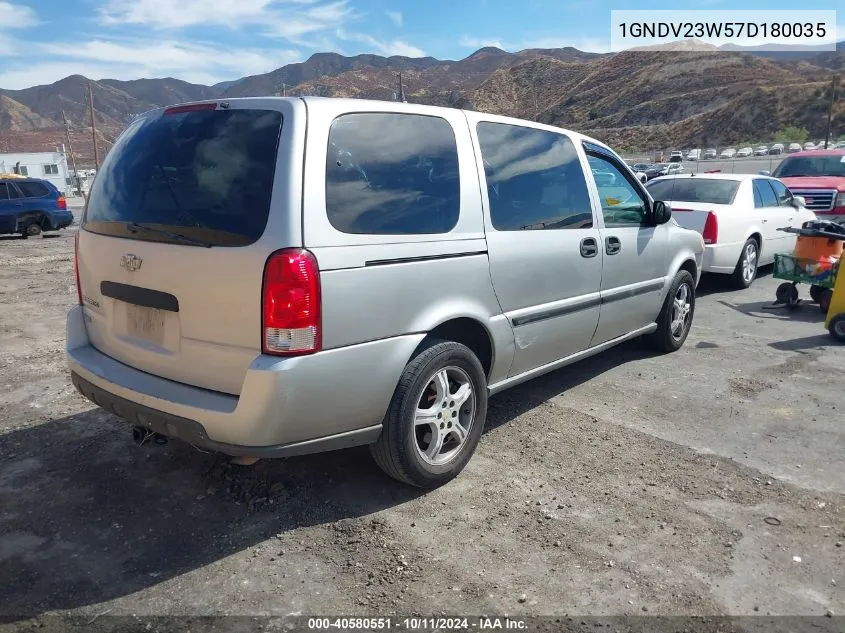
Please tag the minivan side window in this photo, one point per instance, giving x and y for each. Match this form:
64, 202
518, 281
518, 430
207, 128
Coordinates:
534, 179
621, 203
392, 174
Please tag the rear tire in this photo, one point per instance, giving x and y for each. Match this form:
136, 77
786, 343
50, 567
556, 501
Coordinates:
816, 292
675, 319
31, 229
746, 268
824, 299
426, 446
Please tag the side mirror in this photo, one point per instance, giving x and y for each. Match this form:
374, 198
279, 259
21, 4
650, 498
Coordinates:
798, 202
661, 212
765, 172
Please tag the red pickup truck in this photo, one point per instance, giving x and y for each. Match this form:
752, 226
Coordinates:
819, 177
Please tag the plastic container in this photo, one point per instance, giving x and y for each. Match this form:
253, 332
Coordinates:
818, 248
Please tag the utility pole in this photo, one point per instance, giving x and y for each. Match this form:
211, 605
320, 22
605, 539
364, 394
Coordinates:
73, 157
833, 84
401, 90
93, 127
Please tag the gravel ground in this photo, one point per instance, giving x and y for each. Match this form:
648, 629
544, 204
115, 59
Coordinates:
707, 482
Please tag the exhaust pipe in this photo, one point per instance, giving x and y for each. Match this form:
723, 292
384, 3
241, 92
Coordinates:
141, 435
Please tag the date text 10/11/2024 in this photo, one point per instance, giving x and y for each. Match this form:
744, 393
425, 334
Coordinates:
417, 624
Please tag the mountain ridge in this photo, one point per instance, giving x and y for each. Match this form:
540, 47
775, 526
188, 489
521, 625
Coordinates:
634, 98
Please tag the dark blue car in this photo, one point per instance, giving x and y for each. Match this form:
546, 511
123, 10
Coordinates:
29, 206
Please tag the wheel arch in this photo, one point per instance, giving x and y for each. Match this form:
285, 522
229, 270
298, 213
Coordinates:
32, 214
466, 330
684, 260
757, 236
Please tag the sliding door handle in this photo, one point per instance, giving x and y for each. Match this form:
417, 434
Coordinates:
589, 247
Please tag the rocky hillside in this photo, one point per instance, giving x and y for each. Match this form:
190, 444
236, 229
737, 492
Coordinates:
639, 99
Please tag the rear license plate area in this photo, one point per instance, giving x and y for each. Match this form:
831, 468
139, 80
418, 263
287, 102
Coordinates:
146, 323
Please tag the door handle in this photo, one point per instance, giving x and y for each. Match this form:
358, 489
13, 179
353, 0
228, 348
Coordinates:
764, 221
589, 247
612, 245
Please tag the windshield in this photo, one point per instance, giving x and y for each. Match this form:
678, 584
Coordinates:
201, 176
710, 191
811, 166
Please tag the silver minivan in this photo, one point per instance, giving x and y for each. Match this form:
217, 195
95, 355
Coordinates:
268, 277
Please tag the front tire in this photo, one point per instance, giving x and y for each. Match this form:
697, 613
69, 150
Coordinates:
675, 319
746, 267
435, 418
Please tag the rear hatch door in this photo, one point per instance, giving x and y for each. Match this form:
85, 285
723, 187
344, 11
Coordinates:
181, 218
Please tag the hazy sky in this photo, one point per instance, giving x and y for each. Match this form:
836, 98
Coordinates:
207, 41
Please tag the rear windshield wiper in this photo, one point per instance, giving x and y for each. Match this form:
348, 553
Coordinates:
134, 227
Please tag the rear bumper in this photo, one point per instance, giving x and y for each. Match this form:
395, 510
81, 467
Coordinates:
721, 258
61, 220
292, 406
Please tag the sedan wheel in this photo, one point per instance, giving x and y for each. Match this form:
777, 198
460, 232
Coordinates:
746, 267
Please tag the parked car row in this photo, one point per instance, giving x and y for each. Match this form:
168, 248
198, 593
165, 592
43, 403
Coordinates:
748, 151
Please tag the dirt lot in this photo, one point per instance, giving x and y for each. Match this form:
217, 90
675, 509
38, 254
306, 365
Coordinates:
706, 482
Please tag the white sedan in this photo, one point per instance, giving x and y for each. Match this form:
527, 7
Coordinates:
738, 215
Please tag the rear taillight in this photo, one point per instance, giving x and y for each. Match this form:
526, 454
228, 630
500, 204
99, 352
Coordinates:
711, 229
62, 202
291, 303
76, 267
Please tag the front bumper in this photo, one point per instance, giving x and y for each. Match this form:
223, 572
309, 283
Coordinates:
287, 406
837, 215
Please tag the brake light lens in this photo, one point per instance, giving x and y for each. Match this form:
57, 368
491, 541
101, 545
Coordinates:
62, 203
76, 267
194, 107
291, 304
711, 229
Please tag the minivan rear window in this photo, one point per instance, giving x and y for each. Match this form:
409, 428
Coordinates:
201, 177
